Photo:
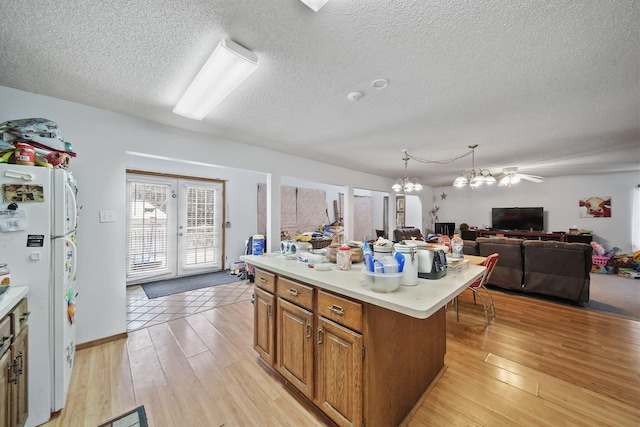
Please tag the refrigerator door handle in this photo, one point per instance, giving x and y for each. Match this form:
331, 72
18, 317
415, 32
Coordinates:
73, 207
73, 264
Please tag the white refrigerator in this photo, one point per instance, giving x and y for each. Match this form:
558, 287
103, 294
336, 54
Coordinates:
38, 218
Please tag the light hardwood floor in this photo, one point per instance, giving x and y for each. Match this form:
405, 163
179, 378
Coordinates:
538, 363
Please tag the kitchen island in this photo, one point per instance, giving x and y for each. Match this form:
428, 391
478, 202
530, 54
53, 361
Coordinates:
362, 357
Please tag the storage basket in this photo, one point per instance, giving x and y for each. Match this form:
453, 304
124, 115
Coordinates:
320, 243
599, 264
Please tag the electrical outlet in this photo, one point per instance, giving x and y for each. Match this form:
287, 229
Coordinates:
107, 216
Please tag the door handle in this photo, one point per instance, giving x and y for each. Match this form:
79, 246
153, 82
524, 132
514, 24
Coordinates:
180, 234
336, 309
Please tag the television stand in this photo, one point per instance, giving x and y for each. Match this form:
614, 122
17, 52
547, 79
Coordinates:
529, 235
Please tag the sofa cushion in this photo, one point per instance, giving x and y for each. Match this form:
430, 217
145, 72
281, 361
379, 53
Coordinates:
470, 247
557, 269
400, 234
508, 271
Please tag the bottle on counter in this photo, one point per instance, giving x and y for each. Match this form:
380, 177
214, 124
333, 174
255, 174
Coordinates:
457, 245
344, 257
445, 242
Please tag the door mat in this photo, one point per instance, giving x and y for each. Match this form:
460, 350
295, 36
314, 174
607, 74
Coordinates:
187, 283
134, 418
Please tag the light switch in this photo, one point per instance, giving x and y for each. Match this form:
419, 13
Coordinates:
107, 216
35, 256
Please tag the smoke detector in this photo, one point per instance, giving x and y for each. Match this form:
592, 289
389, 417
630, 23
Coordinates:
355, 96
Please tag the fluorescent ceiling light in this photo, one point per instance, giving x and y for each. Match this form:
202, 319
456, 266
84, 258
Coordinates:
315, 5
225, 69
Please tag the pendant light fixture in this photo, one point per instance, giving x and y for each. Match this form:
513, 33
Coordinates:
406, 184
474, 177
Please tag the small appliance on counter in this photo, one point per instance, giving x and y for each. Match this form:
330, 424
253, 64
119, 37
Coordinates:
432, 263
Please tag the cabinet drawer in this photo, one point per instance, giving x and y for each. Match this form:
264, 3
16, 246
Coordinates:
19, 316
265, 280
5, 334
340, 310
297, 293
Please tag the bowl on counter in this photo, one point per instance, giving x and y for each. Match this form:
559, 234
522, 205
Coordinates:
3, 289
382, 282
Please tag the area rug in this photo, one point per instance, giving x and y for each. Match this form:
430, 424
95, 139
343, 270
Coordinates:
187, 283
134, 418
608, 293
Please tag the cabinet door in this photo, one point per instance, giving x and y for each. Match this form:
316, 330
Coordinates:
19, 389
339, 363
5, 387
263, 324
294, 346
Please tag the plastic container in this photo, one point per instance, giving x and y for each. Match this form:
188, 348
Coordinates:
5, 275
380, 252
382, 282
457, 245
258, 244
344, 258
446, 242
24, 154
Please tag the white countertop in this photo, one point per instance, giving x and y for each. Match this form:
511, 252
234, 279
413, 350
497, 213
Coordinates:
419, 301
11, 297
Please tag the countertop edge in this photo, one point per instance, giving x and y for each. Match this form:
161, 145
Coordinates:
420, 301
11, 297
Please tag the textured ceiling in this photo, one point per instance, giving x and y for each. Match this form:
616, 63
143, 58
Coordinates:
550, 87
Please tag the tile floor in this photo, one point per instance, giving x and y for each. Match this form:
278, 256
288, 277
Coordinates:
143, 312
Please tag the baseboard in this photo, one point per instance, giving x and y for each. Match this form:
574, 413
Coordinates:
101, 341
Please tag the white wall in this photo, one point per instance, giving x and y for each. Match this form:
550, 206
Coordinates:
559, 198
102, 140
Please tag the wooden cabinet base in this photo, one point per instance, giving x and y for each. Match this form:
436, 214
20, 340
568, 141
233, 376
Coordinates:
356, 362
403, 356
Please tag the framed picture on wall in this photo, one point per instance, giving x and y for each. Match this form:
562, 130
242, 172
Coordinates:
400, 219
400, 204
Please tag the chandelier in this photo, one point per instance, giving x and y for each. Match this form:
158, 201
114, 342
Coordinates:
406, 184
474, 177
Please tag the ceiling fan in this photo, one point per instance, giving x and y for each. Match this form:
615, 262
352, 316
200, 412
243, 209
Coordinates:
512, 176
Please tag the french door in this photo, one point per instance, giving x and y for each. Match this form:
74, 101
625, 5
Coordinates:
174, 227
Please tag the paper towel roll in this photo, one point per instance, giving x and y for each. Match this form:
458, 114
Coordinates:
285, 246
296, 247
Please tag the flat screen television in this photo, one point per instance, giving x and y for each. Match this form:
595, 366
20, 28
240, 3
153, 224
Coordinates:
517, 219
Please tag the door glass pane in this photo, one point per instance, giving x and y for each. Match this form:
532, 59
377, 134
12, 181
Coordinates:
202, 230
147, 237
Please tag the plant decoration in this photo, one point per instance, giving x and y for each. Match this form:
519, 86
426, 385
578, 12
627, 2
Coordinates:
464, 226
434, 215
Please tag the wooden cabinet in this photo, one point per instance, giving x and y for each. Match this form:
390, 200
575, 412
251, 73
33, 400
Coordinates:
264, 315
20, 379
5, 389
360, 364
340, 354
294, 349
529, 235
264, 324
14, 393
294, 334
